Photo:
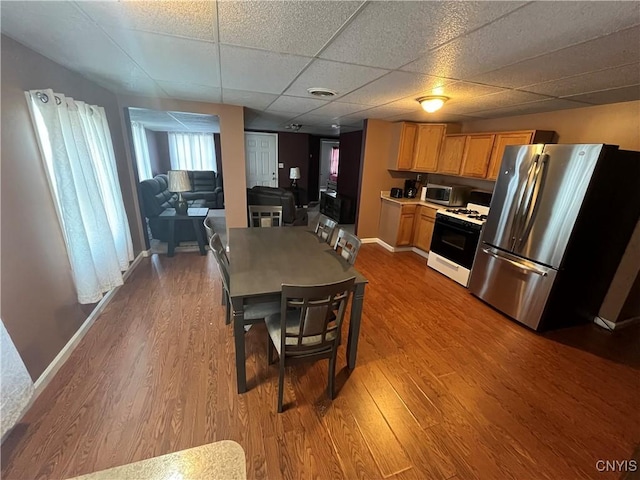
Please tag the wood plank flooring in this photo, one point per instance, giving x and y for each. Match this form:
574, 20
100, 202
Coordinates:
445, 388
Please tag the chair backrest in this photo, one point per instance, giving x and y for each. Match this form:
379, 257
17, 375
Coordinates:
349, 245
221, 258
321, 310
325, 228
208, 226
265, 216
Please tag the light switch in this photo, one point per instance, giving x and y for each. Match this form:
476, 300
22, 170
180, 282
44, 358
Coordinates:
281, 165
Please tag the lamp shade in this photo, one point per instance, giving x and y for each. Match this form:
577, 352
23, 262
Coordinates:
294, 173
179, 181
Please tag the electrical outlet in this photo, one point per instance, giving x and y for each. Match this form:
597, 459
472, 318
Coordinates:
419, 177
281, 165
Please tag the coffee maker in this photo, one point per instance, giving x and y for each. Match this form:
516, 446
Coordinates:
410, 189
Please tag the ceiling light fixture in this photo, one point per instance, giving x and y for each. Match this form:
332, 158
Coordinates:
432, 103
322, 92
293, 126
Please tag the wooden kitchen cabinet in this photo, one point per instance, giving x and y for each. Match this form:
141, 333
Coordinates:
429, 139
402, 145
503, 139
450, 161
405, 228
423, 227
477, 154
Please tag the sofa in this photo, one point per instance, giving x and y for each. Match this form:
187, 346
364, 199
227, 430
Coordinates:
291, 215
156, 198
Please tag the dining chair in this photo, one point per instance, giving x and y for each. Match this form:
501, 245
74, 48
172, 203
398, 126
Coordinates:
254, 312
325, 228
308, 327
265, 215
348, 244
208, 226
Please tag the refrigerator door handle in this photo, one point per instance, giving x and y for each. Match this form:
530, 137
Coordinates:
515, 263
527, 191
532, 207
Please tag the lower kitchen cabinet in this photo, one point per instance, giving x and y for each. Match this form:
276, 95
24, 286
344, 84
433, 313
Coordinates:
405, 229
423, 227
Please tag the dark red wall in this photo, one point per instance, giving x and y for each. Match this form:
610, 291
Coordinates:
314, 168
349, 166
293, 151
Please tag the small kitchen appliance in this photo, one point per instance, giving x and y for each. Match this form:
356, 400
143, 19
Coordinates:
396, 192
450, 195
410, 189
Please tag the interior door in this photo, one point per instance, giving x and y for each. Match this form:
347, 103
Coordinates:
325, 161
261, 152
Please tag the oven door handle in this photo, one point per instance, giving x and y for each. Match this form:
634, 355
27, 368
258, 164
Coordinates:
515, 263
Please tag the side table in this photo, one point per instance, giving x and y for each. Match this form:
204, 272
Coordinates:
195, 215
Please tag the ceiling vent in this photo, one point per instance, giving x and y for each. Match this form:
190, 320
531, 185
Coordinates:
321, 92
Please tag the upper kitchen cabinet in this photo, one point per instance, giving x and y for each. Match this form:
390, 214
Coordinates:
503, 139
453, 148
477, 153
403, 140
427, 148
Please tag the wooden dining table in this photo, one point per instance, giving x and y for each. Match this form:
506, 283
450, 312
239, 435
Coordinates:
262, 259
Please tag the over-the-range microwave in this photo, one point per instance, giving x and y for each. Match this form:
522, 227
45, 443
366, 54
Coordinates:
450, 195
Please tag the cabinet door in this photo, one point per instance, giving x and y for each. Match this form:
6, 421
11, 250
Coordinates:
405, 229
407, 142
428, 143
450, 160
477, 154
423, 230
501, 141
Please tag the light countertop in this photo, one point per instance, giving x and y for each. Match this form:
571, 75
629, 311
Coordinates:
410, 201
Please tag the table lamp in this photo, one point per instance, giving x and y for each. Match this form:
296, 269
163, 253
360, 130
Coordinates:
179, 182
294, 175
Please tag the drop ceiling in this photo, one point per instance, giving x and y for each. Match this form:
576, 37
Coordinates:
160, 121
492, 59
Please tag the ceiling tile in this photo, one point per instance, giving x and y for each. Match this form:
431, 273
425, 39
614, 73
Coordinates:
180, 18
393, 86
196, 122
268, 120
390, 34
529, 108
312, 119
259, 71
538, 28
247, 99
617, 49
340, 77
457, 92
339, 109
615, 95
385, 111
191, 91
493, 101
154, 52
301, 28
589, 82
437, 117
295, 104
62, 33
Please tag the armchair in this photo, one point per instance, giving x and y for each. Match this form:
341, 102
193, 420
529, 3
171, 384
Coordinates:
291, 215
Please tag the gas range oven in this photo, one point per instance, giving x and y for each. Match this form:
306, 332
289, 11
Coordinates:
455, 237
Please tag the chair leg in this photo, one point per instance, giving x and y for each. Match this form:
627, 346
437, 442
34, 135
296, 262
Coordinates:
227, 319
332, 375
223, 295
269, 350
281, 386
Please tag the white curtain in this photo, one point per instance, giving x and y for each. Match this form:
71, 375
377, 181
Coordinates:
16, 386
141, 150
192, 151
81, 166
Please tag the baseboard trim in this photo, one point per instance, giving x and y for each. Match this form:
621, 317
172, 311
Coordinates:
369, 240
388, 247
422, 253
45, 378
609, 325
144, 253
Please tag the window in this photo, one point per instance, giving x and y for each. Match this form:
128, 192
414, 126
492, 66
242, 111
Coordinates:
335, 160
192, 151
141, 150
81, 169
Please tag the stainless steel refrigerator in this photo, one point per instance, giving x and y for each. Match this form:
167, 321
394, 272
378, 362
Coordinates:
561, 217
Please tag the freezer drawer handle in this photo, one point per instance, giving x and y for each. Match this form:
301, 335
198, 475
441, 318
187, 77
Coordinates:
448, 264
517, 264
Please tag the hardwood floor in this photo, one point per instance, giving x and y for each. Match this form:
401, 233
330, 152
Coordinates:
445, 388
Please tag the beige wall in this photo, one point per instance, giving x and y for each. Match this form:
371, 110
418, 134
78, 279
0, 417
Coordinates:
616, 124
375, 176
39, 306
232, 144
